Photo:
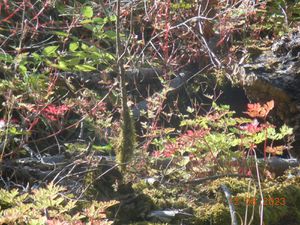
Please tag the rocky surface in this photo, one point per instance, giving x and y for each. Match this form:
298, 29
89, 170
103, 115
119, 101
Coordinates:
275, 74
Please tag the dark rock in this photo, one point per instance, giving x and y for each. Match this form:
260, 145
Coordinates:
275, 74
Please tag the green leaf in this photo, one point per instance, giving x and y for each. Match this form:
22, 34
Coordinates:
110, 34
85, 22
23, 69
87, 12
108, 56
98, 20
85, 68
112, 18
102, 148
73, 46
60, 33
84, 46
6, 57
73, 61
50, 50
80, 55
14, 131
190, 110
285, 130
62, 65
36, 56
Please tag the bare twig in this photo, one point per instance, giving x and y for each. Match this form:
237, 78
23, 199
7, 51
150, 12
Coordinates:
192, 19
261, 209
231, 206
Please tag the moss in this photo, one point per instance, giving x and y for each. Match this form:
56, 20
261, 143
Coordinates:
209, 205
288, 190
212, 214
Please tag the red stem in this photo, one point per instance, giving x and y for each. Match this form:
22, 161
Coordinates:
265, 145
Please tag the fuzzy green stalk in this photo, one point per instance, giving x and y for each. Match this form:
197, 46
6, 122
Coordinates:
126, 147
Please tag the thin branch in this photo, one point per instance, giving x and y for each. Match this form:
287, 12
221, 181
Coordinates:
192, 19
231, 206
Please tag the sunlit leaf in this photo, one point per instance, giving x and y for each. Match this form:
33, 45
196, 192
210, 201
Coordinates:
50, 50
84, 46
85, 68
87, 12
88, 21
62, 65
102, 147
99, 20
60, 33
36, 56
257, 110
73, 61
278, 150
23, 69
73, 46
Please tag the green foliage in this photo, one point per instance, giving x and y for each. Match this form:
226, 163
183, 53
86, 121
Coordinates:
35, 76
34, 59
87, 12
213, 139
50, 51
45, 205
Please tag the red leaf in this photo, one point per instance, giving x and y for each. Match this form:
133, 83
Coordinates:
53, 112
256, 110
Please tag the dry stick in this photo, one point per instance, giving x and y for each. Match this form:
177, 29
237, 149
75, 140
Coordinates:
247, 206
130, 34
120, 59
253, 207
212, 56
261, 211
231, 206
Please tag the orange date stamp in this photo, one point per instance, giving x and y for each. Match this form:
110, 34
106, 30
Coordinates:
254, 201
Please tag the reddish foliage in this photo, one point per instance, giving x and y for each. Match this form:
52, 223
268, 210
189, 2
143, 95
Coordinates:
278, 150
185, 140
252, 127
100, 107
156, 154
170, 150
245, 171
53, 112
256, 110
191, 135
